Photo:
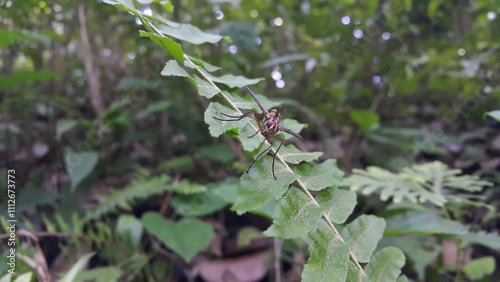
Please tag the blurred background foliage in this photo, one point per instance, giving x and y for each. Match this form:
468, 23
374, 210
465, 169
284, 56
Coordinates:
380, 83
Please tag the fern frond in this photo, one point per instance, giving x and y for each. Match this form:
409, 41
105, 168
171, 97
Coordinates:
430, 182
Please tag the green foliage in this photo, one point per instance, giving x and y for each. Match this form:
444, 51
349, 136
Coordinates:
421, 183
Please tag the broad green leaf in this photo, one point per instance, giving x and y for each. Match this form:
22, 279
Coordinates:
488, 240
338, 204
479, 268
295, 215
101, 274
385, 265
362, 236
493, 114
126, 5
218, 152
293, 155
20, 78
329, 258
365, 119
79, 165
186, 187
354, 275
419, 223
318, 177
166, 43
205, 89
217, 127
255, 142
226, 190
9, 37
293, 125
130, 228
178, 164
187, 237
25, 277
232, 80
172, 68
198, 204
189, 33
247, 102
402, 278
77, 267
259, 186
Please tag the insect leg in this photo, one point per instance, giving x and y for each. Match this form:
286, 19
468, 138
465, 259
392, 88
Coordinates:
235, 118
259, 155
274, 156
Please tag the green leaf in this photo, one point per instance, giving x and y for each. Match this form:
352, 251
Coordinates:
318, 177
385, 265
77, 267
184, 163
218, 152
226, 190
9, 37
199, 62
130, 228
479, 268
354, 275
189, 33
205, 89
493, 114
100, 274
338, 204
232, 80
187, 188
293, 155
259, 186
172, 68
421, 252
217, 127
295, 215
329, 258
419, 223
362, 236
166, 43
488, 240
197, 205
64, 125
187, 237
365, 119
79, 165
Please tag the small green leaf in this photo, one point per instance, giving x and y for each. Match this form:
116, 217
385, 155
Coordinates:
218, 152
226, 190
189, 33
479, 268
418, 222
365, 119
187, 237
354, 274
79, 165
294, 126
318, 177
421, 252
205, 89
217, 127
172, 68
338, 204
130, 228
198, 62
24, 78
493, 114
385, 265
295, 215
293, 155
187, 187
100, 274
259, 186
362, 236
77, 267
64, 125
329, 258
488, 240
232, 80
166, 43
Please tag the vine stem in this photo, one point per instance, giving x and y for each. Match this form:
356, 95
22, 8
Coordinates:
300, 184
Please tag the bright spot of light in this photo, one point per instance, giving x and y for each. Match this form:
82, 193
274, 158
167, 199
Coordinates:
305, 7
461, 52
491, 16
148, 11
131, 55
276, 75
376, 60
233, 49
277, 21
487, 89
288, 67
280, 83
376, 79
257, 41
106, 52
219, 15
254, 13
386, 35
138, 21
358, 33
346, 20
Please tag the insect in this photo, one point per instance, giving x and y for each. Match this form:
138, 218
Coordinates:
269, 127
